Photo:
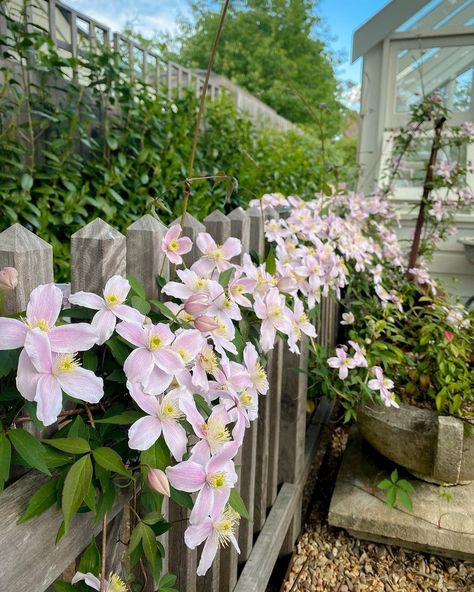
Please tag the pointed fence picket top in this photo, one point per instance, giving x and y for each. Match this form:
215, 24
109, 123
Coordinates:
191, 228
256, 241
97, 253
145, 259
32, 257
218, 226
240, 228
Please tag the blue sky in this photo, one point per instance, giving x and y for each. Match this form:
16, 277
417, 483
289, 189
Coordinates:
341, 18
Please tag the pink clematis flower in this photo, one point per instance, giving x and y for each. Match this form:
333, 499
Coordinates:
359, 356
213, 433
217, 530
110, 308
8, 278
300, 324
42, 375
163, 418
152, 343
42, 313
274, 315
343, 362
258, 376
211, 476
215, 256
173, 246
383, 385
113, 584
239, 286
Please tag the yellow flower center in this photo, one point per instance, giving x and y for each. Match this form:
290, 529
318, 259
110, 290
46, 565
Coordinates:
170, 410
217, 254
218, 480
155, 342
112, 299
239, 289
173, 245
116, 584
246, 399
216, 433
41, 324
66, 363
183, 353
222, 328
226, 305
200, 284
209, 361
187, 318
225, 527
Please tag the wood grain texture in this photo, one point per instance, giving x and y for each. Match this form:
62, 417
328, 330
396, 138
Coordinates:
261, 470
33, 259
191, 228
275, 380
240, 228
218, 226
98, 252
229, 558
182, 561
256, 242
247, 489
30, 561
145, 259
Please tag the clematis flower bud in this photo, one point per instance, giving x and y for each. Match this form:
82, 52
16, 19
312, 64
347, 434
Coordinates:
449, 335
8, 278
205, 324
158, 481
196, 304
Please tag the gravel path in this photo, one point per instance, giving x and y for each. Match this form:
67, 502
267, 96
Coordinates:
329, 560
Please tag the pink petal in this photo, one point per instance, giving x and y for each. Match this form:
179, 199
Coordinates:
147, 402
175, 437
184, 245
267, 335
90, 579
118, 286
144, 433
197, 533
225, 454
39, 350
104, 325
250, 355
27, 377
157, 382
133, 333
173, 233
188, 407
139, 364
205, 242
186, 476
177, 290
82, 384
127, 313
190, 340
168, 360
163, 331
87, 300
202, 505
231, 248
71, 338
49, 399
45, 304
13, 333
208, 553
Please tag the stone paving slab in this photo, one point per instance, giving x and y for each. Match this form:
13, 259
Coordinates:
437, 525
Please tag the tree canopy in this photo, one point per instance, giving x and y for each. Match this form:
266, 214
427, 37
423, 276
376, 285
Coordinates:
271, 48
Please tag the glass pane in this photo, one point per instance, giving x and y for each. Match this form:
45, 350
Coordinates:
447, 70
412, 170
439, 14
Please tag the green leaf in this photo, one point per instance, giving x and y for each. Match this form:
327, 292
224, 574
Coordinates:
78, 429
385, 484
157, 456
110, 460
202, 404
224, 277
26, 182
5, 457
167, 581
76, 486
118, 349
137, 287
90, 498
90, 559
150, 547
405, 485
405, 500
152, 518
140, 304
391, 497
89, 360
70, 445
112, 142
125, 418
135, 537
394, 476
164, 309
60, 586
40, 501
270, 263
237, 503
182, 498
30, 450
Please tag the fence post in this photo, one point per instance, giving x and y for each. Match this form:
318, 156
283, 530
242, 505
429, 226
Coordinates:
218, 226
97, 253
145, 259
240, 228
33, 259
257, 238
191, 228
275, 377
293, 427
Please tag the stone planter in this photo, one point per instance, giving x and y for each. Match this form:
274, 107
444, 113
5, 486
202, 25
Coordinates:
432, 447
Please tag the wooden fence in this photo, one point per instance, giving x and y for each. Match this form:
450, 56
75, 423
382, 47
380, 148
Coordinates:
277, 451
73, 33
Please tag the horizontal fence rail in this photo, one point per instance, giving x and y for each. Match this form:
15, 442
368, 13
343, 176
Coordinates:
75, 33
277, 450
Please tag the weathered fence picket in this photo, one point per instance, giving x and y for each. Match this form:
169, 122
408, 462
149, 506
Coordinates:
274, 459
